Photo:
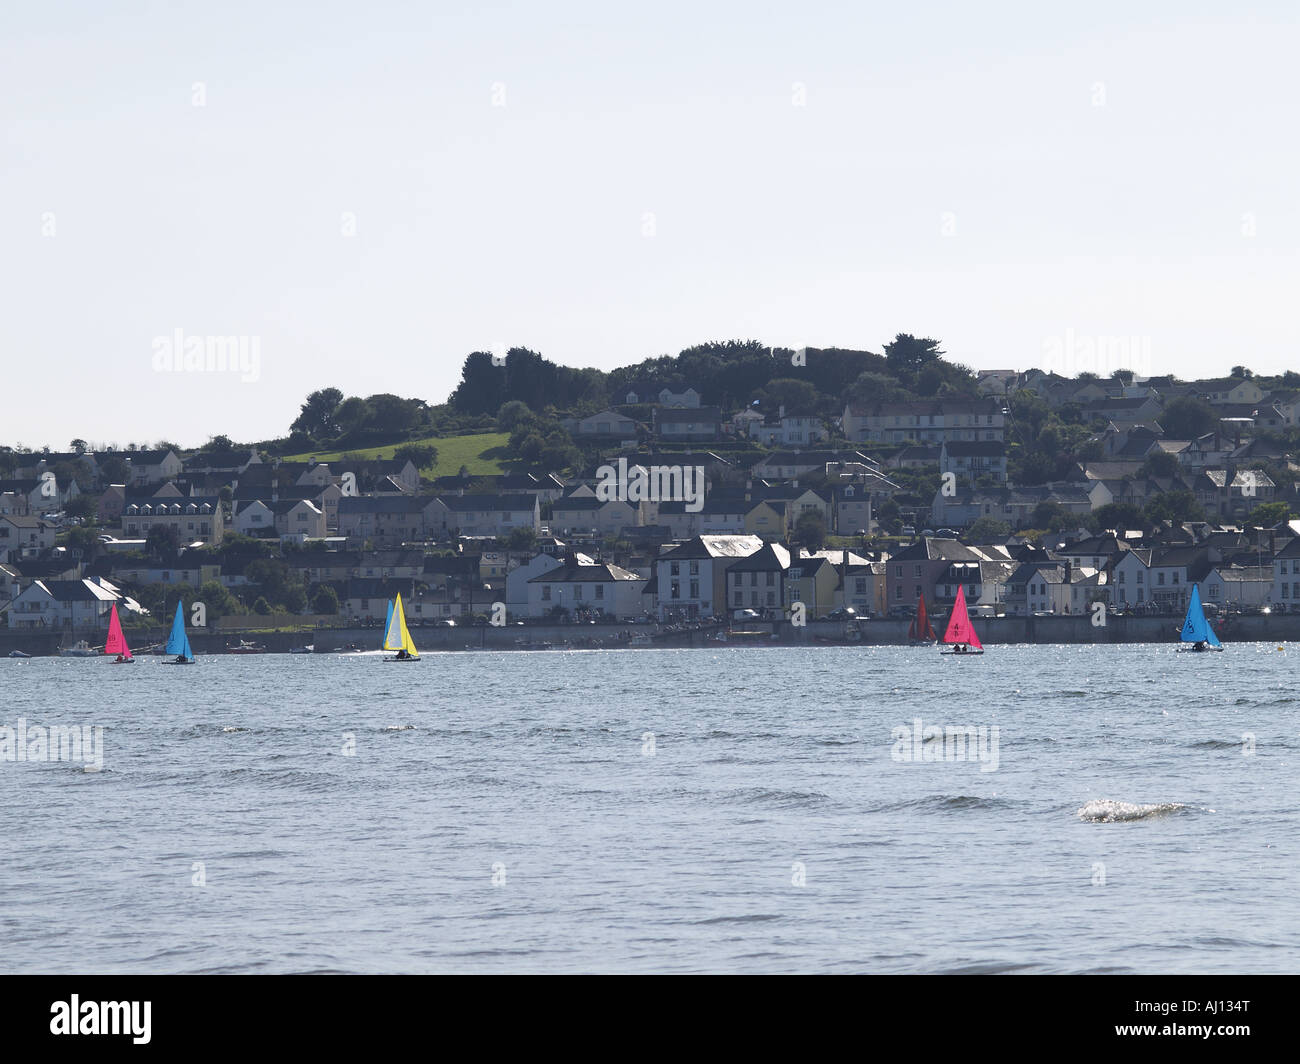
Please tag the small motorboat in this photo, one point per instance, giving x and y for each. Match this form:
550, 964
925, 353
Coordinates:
18, 654
245, 647
79, 649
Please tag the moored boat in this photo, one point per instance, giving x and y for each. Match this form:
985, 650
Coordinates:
79, 649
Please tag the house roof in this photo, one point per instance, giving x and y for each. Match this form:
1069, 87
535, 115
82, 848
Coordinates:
498, 503
710, 546
585, 574
771, 557
385, 504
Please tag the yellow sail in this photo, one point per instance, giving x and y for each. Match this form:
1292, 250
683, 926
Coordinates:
398, 636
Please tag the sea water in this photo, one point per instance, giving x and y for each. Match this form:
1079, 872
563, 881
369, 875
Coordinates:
723, 810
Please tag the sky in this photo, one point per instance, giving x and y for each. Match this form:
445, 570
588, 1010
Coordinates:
365, 193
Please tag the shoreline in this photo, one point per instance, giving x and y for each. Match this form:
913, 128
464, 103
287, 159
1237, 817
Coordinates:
993, 632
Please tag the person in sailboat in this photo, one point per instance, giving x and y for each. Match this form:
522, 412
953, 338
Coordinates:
402, 655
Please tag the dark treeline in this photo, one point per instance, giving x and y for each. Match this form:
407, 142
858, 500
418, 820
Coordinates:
729, 374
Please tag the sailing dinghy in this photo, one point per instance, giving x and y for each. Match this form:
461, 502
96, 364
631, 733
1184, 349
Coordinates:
116, 642
397, 636
921, 631
178, 642
960, 632
1197, 634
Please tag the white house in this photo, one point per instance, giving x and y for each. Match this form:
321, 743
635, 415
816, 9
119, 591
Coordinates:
61, 604
23, 535
691, 578
574, 587
1286, 576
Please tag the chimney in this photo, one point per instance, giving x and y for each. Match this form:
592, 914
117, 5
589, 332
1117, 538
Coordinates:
1068, 572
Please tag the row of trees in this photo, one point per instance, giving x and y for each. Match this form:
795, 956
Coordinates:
730, 375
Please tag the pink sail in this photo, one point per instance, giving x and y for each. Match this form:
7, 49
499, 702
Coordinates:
116, 643
960, 630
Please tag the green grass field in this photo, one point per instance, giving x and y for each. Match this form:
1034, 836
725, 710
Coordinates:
483, 453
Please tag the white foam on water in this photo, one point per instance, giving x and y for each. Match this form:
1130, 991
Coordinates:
1107, 810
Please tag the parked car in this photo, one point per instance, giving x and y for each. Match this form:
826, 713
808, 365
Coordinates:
845, 613
909, 530
746, 615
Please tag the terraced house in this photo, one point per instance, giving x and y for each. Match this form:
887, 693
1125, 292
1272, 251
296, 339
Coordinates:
195, 518
391, 519
489, 515
925, 421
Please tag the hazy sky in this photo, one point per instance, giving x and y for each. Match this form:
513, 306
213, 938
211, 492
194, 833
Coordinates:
604, 183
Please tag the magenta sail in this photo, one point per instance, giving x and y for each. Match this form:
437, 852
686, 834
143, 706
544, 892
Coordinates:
116, 642
960, 630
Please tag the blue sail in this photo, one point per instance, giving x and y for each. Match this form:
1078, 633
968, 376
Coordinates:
178, 642
1196, 629
383, 639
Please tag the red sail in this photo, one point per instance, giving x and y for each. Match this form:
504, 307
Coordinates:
960, 630
921, 624
116, 643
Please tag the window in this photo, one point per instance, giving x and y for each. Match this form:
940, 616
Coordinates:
860, 585
1121, 577
675, 568
740, 598
771, 579
695, 589
1140, 576
577, 591
1160, 579
600, 591
695, 568
918, 570
675, 590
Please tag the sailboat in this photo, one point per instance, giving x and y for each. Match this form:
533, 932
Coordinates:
116, 642
1197, 634
397, 636
921, 631
960, 632
178, 642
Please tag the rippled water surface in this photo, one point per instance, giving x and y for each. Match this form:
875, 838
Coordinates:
656, 811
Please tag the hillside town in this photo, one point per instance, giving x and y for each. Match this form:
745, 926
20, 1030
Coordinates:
856, 513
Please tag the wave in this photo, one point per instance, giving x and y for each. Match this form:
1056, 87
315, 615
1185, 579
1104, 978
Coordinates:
1109, 811
765, 796
945, 803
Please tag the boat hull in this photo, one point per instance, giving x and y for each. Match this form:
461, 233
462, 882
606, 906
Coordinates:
963, 654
